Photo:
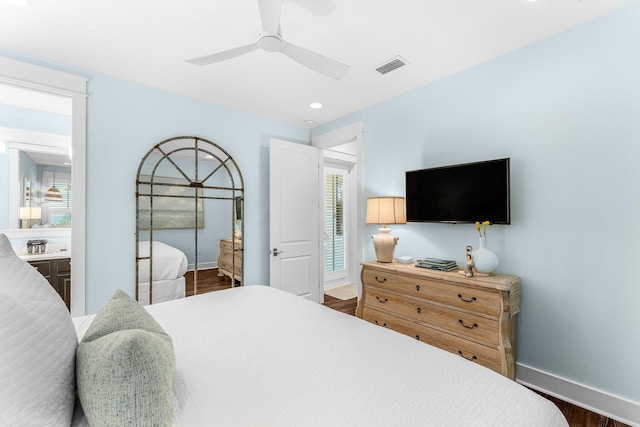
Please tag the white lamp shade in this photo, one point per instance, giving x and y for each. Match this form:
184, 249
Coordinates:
385, 210
30, 213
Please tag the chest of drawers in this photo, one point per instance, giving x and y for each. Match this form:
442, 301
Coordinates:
471, 317
230, 259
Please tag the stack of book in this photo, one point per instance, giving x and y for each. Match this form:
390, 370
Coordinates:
437, 264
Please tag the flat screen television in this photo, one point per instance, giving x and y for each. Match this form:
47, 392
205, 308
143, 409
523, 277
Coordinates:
461, 193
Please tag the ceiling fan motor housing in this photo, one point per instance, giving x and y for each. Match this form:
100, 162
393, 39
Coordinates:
271, 42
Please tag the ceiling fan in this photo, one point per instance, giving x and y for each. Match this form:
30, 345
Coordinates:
271, 40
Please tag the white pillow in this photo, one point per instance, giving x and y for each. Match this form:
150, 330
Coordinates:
37, 347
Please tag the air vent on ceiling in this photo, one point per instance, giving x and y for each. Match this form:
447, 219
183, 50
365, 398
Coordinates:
392, 64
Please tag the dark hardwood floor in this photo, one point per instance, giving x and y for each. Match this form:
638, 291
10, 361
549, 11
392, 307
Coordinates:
209, 281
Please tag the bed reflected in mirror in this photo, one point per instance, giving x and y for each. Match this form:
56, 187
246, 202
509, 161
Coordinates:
189, 231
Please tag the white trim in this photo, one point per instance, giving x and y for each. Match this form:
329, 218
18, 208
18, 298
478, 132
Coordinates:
345, 135
580, 395
32, 76
203, 266
23, 74
340, 136
22, 139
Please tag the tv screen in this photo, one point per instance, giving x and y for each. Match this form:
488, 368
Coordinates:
460, 193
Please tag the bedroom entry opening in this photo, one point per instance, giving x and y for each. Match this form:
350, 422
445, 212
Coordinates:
337, 233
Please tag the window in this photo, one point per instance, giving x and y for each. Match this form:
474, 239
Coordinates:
334, 222
57, 214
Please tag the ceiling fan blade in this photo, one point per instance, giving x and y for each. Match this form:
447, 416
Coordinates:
315, 61
270, 15
224, 55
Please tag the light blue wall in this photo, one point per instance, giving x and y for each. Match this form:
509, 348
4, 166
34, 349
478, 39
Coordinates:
34, 120
566, 110
124, 121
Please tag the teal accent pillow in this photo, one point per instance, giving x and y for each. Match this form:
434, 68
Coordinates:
125, 365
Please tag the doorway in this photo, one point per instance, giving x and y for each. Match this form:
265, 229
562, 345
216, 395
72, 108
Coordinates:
18, 76
337, 227
341, 219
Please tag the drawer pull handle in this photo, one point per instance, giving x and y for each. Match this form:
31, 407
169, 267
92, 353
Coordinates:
383, 280
475, 325
418, 337
419, 310
467, 300
472, 358
382, 301
384, 325
417, 287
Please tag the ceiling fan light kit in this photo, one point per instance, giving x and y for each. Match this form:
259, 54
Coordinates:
271, 40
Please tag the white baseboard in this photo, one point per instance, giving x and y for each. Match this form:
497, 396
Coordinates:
203, 266
585, 397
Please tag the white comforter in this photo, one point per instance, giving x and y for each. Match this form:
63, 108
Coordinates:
168, 262
255, 356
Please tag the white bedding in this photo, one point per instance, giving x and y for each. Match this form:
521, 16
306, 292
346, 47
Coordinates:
169, 267
168, 262
163, 290
256, 356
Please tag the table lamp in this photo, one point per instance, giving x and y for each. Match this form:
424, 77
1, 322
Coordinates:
27, 214
383, 211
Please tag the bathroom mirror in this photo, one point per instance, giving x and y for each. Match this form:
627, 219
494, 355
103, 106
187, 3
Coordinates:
189, 228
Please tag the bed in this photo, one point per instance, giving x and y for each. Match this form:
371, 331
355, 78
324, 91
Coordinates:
257, 356
246, 356
169, 267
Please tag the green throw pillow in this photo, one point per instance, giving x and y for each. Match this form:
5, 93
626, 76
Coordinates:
125, 366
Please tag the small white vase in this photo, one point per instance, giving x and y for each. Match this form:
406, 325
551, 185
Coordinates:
484, 260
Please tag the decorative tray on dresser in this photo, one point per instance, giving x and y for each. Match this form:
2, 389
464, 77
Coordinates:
472, 317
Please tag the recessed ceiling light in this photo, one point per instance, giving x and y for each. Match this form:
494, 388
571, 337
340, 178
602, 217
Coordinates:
309, 122
18, 3
315, 105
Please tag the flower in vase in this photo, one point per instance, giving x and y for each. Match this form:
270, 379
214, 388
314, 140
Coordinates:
481, 228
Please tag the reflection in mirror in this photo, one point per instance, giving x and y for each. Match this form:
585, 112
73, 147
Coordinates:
189, 209
35, 168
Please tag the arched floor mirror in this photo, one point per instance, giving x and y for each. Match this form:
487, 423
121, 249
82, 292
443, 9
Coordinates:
189, 219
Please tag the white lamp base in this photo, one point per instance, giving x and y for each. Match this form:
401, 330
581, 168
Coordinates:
384, 245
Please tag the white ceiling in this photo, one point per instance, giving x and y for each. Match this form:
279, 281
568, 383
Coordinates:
147, 41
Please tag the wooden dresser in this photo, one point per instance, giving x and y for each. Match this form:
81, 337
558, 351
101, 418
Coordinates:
472, 317
228, 252
57, 271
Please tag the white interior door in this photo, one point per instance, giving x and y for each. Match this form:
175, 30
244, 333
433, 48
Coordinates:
294, 232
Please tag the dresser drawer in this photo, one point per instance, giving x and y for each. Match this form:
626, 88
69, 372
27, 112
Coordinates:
63, 265
468, 325
225, 245
225, 264
43, 267
485, 356
481, 301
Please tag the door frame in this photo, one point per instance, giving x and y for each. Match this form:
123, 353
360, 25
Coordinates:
351, 133
23, 74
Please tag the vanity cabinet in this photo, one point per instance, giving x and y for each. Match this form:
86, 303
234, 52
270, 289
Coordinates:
58, 274
472, 317
230, 259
